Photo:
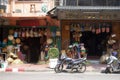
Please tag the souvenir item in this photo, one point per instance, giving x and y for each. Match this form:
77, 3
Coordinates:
107, 29
31, 33
93, 30
11, 32
58, 33
49, 41
27, 33
103, 29
35, 33
20, 33
18, 40
10, 37
16, 34
23, 32
82, 27
97, 31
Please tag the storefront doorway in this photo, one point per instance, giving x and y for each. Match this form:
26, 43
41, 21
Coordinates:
33, 52
95, 42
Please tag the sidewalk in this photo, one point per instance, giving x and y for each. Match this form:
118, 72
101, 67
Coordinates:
94, 66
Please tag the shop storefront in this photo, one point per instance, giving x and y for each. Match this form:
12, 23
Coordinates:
27, 39
88, 25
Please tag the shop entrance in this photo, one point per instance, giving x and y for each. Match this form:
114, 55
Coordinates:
94, 43
33, 49
93, 36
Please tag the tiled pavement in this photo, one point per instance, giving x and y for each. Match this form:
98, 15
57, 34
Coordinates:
93, 66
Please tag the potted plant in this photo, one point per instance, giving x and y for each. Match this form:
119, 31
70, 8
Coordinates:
53, 54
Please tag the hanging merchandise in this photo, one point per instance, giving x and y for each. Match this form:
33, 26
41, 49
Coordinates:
71, 27
19, 33
11, 32
82, 27
27, 33
16, 33
93, 28
40, 33
107, 28
103, 28
35, 33
10, 37
18, 40
23, 32
31, 33
99, 29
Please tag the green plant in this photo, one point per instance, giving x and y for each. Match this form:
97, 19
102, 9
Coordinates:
53, 53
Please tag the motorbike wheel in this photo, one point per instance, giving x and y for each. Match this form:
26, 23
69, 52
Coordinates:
58, 68
81, 68
108, 70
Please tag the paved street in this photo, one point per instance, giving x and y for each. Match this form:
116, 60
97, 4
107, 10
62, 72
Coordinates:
57, 76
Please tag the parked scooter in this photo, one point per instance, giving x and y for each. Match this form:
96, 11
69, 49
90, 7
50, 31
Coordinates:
71, 64
113, 64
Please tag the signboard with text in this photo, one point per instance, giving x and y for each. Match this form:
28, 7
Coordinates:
95, 15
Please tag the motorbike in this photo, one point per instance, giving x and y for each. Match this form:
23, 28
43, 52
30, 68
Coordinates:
71, 64
113, 64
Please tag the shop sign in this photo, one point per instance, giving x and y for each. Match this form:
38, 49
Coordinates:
94, 15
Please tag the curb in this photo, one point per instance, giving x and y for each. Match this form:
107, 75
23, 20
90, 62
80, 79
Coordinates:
32, 70
12, 70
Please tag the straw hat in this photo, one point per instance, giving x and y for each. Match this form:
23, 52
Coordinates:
49, 41
18, 40
10, 37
